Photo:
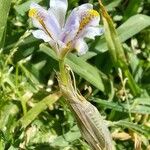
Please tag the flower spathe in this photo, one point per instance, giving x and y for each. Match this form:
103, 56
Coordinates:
65, 34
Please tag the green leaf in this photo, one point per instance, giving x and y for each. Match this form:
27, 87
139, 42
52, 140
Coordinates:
132, 26
7, 115
112, 5
137, 107
142, 101
82, 68
128, 29
38, 108
133, 126
61, 141
4, 8
23, 8
116, 50
132, 8
70, 136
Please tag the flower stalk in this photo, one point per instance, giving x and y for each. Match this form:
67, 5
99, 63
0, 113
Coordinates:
62, 71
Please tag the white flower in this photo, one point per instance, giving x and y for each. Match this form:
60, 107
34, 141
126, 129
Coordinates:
64, 34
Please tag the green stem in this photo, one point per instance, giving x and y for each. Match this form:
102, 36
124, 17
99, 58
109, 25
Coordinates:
16, 76
63, 74
23, 102
134, 87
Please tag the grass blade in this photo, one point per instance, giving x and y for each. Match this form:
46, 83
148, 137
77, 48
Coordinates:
116, 49
134, 108
134, 24
4, 7
35, 111
132, 8
138, 128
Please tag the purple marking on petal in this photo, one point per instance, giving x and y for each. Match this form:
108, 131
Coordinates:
64, 38
71, 28
52, 27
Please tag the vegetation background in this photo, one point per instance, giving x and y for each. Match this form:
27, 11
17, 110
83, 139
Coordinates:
31, 118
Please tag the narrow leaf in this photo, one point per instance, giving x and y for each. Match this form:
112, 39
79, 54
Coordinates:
134, 108
116, 50
23, 8
134, 24
132, 8
4, 7
133, 126
7, 112
38, 108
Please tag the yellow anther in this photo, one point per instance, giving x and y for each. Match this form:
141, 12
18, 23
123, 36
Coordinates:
32, 12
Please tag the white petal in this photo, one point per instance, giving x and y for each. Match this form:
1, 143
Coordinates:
59, 8
44, 20
34, 5
91, 32
37, 7
52, 26
83, 7
73, 21
36, 23
81, 46
71, 28
89, 24
39, 34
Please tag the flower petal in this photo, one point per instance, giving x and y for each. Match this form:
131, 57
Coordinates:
82, 8
72, 24
39, 34
59, 8
45, 21
81, 46
89, 18
90, 32
71, 28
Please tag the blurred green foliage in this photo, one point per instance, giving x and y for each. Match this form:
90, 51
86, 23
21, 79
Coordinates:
30, 117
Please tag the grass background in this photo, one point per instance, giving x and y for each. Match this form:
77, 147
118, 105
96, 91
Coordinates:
31, 117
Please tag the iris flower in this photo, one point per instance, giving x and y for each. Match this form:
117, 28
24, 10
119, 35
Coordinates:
65, 33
